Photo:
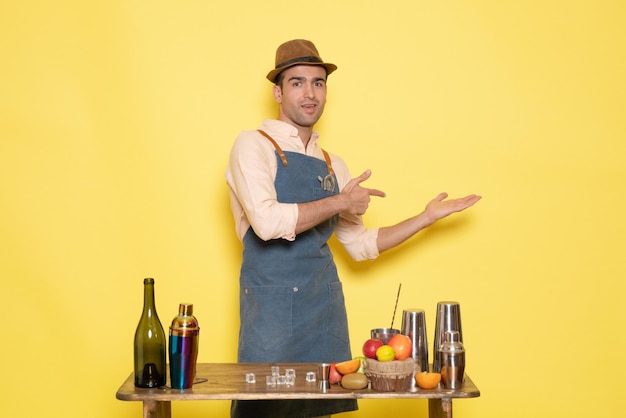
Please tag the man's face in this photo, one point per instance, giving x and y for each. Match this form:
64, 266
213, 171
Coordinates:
302, 96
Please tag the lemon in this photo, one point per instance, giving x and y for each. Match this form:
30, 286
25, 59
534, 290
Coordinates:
385, 353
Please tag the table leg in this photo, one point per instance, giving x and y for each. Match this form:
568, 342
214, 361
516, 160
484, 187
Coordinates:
440, 408
157, 409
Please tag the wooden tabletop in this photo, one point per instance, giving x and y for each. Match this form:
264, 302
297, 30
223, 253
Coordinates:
224, 381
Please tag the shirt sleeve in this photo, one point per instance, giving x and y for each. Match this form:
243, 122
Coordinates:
356, 238
250, 176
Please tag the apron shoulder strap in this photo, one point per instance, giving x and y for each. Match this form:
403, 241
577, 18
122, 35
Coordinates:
283, 157
328, 163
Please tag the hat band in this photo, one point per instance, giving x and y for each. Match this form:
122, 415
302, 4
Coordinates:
300, 59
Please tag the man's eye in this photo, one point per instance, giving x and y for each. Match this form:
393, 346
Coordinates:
296, 84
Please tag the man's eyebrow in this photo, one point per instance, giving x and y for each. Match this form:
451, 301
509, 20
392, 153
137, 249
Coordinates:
296, 78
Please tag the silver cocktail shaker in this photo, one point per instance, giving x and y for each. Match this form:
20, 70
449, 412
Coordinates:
448, 319
184, 334
452, 361
414, 326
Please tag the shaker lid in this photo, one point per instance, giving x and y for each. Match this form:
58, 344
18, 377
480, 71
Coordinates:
185, 318
185, 309
451, 342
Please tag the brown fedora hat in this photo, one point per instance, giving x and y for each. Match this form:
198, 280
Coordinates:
297, 52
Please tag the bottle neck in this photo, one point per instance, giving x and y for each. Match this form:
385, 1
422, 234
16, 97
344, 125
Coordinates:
148, 299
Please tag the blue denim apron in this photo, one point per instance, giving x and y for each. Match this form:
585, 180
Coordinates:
291, 300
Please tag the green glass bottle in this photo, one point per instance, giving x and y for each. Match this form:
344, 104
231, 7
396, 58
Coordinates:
150, 350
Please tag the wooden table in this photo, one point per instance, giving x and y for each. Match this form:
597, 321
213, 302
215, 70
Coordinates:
226, 381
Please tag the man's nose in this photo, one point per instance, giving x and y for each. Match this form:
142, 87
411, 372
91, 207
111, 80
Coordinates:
309, 92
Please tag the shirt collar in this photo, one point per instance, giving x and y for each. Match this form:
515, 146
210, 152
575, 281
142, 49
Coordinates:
285, 131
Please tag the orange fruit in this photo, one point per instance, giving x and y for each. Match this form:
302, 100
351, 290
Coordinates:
401, 345
348, 366
427, 380
385, 353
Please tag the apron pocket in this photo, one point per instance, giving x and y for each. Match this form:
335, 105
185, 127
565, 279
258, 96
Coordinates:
337, 318
267, 316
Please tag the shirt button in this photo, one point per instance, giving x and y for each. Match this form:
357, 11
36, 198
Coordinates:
295, 289
245, 291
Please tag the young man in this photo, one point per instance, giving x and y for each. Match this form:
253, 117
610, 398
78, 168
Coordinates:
288, 196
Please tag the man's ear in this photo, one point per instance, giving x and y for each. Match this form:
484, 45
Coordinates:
278, 93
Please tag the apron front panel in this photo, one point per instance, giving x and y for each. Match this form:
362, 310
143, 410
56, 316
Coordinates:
274, 261
269, 305
291, 300
337, 316
297, 185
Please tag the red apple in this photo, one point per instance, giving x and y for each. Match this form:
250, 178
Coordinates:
370, 347
334, 376
401, 345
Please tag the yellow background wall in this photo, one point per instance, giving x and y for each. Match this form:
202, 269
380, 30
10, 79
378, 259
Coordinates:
116, 119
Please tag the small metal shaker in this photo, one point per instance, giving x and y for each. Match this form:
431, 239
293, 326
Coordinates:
184, 334
452, 361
